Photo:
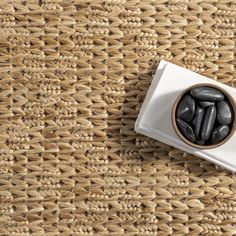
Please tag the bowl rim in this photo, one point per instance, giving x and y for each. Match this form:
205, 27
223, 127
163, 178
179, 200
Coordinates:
232, 103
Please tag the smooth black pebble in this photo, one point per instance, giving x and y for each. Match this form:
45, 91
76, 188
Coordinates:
186, 130
200, 142
224, 113
186, 108
219, 133
206, 104
197, 121
208, 122
207, 94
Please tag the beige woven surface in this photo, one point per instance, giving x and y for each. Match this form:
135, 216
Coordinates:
73, 77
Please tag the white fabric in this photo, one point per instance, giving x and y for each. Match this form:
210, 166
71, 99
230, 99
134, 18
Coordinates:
154, 119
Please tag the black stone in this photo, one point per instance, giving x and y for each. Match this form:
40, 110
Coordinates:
186, 108
224, 113
200, 142
208, 122
197, 121
207, 94
219, 133
186, 130
206, 104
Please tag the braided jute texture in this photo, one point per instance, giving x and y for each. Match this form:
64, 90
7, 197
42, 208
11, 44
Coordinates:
73, 76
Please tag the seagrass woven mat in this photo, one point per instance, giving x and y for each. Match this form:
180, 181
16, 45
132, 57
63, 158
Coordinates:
73, 76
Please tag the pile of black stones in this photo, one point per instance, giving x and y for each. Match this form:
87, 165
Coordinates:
204, 115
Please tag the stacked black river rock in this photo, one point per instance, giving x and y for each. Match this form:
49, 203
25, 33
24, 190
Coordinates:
204, 115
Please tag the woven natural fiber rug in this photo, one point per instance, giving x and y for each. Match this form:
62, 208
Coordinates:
73, 77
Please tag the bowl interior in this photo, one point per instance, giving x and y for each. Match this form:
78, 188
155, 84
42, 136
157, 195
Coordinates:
232, 125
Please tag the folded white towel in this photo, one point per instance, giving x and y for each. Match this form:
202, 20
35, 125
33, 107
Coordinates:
154, 119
